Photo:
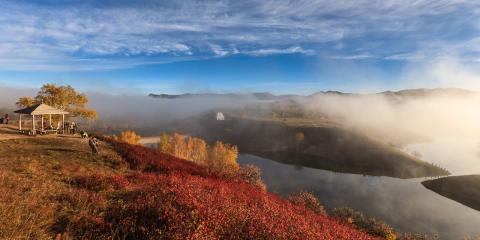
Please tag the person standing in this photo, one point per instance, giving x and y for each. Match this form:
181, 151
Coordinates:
6, 119
93, 145
73, 128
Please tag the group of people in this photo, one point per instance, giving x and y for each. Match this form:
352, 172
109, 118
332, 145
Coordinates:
71, 127
5, 119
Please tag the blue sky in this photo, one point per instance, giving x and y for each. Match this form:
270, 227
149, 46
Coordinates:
240, 46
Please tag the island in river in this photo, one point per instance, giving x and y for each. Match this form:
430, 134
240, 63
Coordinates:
463, 189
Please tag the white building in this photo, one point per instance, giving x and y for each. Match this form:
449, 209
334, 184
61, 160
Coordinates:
220, 116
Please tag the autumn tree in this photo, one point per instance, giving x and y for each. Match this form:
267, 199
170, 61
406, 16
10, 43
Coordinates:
128, 137
199, 150
219, 158
223, 157
25, 102
61, 97
165, 144
179, 146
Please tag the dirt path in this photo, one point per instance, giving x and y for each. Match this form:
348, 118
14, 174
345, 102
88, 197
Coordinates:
9, 132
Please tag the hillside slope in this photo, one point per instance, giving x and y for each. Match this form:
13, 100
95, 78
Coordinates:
54, 187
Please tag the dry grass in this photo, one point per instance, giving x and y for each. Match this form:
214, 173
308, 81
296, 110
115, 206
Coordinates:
34, 175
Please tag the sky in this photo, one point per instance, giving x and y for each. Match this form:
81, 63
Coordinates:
303, 46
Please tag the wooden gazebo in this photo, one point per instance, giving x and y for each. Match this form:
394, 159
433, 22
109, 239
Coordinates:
41, 110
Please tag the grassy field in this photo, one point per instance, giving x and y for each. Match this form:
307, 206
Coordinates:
36, 175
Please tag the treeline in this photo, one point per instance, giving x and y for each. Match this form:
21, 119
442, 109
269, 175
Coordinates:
219, 158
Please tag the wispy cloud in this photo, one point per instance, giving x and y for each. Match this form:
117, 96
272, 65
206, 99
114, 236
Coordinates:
354, 56
123, 33
270, 51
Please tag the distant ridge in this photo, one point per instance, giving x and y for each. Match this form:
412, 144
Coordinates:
256, 95
407, 93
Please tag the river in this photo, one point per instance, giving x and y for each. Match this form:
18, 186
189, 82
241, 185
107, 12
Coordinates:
404, 204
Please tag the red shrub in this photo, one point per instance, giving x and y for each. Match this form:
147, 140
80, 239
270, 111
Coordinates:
98, 182
145, 159
176, 199
182, 206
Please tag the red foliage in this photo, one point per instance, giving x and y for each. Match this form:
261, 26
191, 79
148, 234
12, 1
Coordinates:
145, 159
98, 182
176, 199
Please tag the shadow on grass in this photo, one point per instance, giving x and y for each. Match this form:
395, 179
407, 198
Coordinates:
64, 150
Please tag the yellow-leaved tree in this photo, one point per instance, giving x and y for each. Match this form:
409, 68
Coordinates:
165, 144
24, 102
128, 137
61, 97
223, 157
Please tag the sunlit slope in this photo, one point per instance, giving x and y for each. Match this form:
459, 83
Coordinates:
54, 188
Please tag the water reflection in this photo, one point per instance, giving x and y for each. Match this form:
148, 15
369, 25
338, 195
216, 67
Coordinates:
404, 204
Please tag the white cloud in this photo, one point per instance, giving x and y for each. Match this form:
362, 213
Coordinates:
175, 30
270, 51
443, 71
354, 57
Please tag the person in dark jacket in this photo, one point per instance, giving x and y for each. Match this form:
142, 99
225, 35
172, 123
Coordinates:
93, 145
6, 119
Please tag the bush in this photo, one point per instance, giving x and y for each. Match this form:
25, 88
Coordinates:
252, 174
308, 200
370, 225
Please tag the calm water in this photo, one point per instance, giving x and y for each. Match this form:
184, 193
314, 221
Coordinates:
404, 204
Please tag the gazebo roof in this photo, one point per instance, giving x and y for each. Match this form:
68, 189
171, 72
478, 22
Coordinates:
41, 109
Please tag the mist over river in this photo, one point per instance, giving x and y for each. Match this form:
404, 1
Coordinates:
460, 156
404, 204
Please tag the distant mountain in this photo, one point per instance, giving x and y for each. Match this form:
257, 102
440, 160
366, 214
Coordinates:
424, 92
257, 95
407, 93
394, 95
331, 93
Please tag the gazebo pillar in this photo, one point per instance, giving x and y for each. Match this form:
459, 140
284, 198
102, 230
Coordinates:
49, 120
63, 123
42, 123
20, 122
33, 124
